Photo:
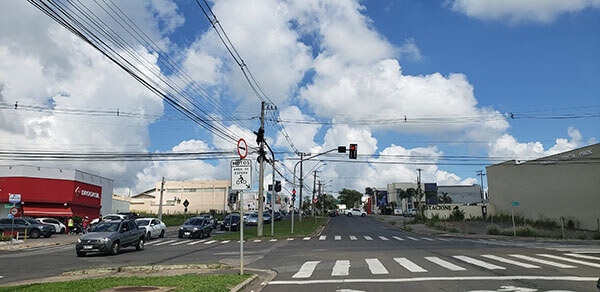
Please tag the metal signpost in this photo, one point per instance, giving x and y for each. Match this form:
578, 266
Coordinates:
185, 209
241, 180
14, 199
512, 211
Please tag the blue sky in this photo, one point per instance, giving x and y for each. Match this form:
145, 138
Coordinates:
334, 61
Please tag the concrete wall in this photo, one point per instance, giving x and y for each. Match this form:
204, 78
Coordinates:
566, 184
120, 204
462, 194
444, 210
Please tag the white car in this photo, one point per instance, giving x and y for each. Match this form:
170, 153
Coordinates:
113, 217
58, 226
355, 212
154, 227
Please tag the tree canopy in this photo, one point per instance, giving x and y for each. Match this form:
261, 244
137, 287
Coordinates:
350, 197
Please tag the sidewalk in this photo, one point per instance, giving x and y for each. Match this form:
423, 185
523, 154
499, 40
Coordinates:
56, 239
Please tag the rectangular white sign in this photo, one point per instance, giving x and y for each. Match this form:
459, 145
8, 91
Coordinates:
14, 198
241, 175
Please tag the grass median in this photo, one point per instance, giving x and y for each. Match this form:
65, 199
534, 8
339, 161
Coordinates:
281, 230
182, 282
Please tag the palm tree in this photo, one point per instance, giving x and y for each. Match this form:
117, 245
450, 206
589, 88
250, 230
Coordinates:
445, 198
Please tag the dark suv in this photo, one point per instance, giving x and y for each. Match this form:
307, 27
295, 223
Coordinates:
34, 228
196, 227
231, 221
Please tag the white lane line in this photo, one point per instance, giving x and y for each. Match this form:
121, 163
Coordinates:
226, 241
196, 242
368, 237
376, 267
257, 240
209, 242
448, 265
407, 264
398, 238
322, 237
290, 239
165, 242
341, 268
352, 237
153, 242
595, 265
427, 238
443, 239
429, 279
181, 242
582, 256
306, 270
540, 261
477, 262
412, 238
273, 240
337, 237
306, 238
383, 238
509, 261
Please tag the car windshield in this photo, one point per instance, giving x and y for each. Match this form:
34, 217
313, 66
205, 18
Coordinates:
31, 221
142, 222
194, 221
106, 227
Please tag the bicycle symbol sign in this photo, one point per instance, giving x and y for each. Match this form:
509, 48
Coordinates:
241, 174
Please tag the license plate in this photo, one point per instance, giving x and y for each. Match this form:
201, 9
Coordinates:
187, 233
88, 247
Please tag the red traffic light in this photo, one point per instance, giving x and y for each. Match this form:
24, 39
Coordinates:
293, 191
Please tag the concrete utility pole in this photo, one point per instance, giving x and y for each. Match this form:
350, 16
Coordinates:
261, 172
314, 191
162, 188
322, 196
301, 186
419, 186
481, 174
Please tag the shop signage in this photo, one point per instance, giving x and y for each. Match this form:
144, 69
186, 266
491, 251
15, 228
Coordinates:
14, 198
80, 192
438, 207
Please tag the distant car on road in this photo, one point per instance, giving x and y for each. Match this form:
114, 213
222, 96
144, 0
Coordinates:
110, 237
114, 217
34, 229
195, 227
59, 227
355, 212
213, 220
278, 216
154, 227
410, 212
231, 221
129, 215
333, 213
253, 218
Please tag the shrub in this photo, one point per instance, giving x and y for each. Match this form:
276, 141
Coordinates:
5, 237
392, 222
582, 236
570, 224
457, 215
526, 231
453, 230
408, 228
596, 235
493, 230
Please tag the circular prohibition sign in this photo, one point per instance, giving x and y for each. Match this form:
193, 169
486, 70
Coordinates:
244, 148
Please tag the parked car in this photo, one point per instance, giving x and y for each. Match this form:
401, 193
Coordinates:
355, 212
253, 218
114, 217
278, 216
129, 215
410, 212
34, 229
195, 227
59, 227
213, 220
110, 237
231, 220
154, 227
333, 213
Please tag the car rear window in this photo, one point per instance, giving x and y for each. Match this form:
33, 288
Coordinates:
142, 222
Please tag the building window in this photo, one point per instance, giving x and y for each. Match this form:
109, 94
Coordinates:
190, 190
222, 190
173, 190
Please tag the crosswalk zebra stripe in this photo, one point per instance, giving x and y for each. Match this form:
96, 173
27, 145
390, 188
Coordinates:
226, 241
306, 238
582, 256
448, 265
181, 242
306, 270
595, 265
412, 238
209, 242
337, 237
426, 238
407, 264
383, 238
368, 237
509, 261
540, 261
257, 240
322, 237
273, 240
152, 242
352, 237
376, 267
478, 263
341, 268
196, 242
398, 238
165, 242
290, 239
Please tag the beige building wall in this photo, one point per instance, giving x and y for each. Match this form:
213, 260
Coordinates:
443, 211
393, 188
566, 184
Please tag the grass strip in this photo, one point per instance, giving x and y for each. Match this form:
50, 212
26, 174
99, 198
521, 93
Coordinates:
281, 230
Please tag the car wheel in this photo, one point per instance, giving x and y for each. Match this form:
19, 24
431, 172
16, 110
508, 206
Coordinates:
49, 234
34, 233
80, 253
363, 215
148, 235
349, 214
62, 230
114, 248
140, 244
180, 236
162, 233
208, 233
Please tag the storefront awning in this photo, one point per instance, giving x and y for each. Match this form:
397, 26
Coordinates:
47, 211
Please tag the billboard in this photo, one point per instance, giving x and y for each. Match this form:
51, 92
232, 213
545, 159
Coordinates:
382, 198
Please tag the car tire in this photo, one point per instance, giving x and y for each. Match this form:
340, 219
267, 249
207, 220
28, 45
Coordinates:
363, 215
180, 236
148, 235
34, 233
140, 244
62, 230
48, 235
115, 248
349, 214
80, 253
162, 233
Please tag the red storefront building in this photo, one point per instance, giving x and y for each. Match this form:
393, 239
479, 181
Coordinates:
54, 192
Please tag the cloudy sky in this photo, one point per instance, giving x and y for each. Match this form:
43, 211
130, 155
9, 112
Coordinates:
340, 72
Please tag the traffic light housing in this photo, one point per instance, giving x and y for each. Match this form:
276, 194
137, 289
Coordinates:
233, 197
353, 153
277, 186
293, 195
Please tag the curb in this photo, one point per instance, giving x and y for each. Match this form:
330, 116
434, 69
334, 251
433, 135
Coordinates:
138, 269
265, 276
23, 245
244, 284
320, 229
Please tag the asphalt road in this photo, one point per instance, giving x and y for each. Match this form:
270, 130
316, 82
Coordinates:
352, 254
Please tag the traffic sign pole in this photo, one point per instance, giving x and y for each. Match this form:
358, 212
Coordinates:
241, 232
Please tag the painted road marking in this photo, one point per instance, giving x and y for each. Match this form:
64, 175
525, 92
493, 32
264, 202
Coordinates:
407, 264
273, 240
306, 238
165, 242
582, 256
509, 261
209, 242
412, 238
595, 265
337, 237
426, 238
226, 241
352, 237
153, 242
181, 242
306, 270
196, 242
478, 263
383, 238
443, 239
448, 265
398, 238
428, 279
368, 237
341, 268
322, 237
290, 239
376, 267
257, 240
540, 261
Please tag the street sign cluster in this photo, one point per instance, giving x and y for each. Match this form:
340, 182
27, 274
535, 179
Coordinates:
241, 174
